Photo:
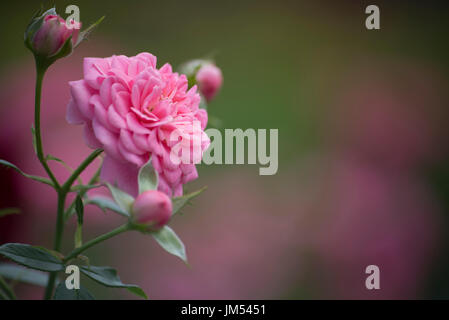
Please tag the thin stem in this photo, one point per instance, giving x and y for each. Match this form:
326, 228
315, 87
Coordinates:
50, 285
40, 72
7, 290
80, 169
59, 221
68, 212
103, 237
57, 241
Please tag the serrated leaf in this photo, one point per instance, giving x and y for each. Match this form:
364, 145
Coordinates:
147, 178
36, 178
123, 199
32, 257
62, 293
108, 277
85, 33
179, 202
23, 274
105, 203
170, 242
9, 211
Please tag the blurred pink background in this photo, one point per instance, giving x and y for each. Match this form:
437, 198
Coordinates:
360, 194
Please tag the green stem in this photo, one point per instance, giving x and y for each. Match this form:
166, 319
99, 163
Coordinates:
40, 72
68, 212
57, 241
6, 289
80, 169
60, 219
103, 237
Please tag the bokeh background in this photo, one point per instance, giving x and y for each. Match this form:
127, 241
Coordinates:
363, 163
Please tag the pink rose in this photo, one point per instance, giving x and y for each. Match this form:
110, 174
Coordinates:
130, 108
152, 208
53, 34
209, 79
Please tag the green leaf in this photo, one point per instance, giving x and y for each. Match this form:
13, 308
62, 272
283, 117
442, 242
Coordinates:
8, 211
62, 293
84, 187
190, 68
108, 277
36, 178
138, 291
53, 158
22, 274
3, 296
31, 256
49, 157
85, 33
203, 103
170, 242
105, 203
180, 202
148, 178
64, 51
124, 200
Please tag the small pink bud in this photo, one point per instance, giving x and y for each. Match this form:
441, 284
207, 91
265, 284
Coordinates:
209, 79
152, 208
52, 35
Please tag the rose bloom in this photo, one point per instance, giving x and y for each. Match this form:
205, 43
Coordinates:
130, 108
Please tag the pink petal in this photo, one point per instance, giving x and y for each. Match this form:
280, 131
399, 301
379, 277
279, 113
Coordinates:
115, 119
107, 138
121, 174
129, 156
89, 137
105, 91
81, 94
94, 71
128, 142
122, 102
192, 175
73, 115
163, 186
134, 125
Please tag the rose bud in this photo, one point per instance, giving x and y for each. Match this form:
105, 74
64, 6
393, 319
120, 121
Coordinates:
209, 80
48, 34
53, 34
153, 209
